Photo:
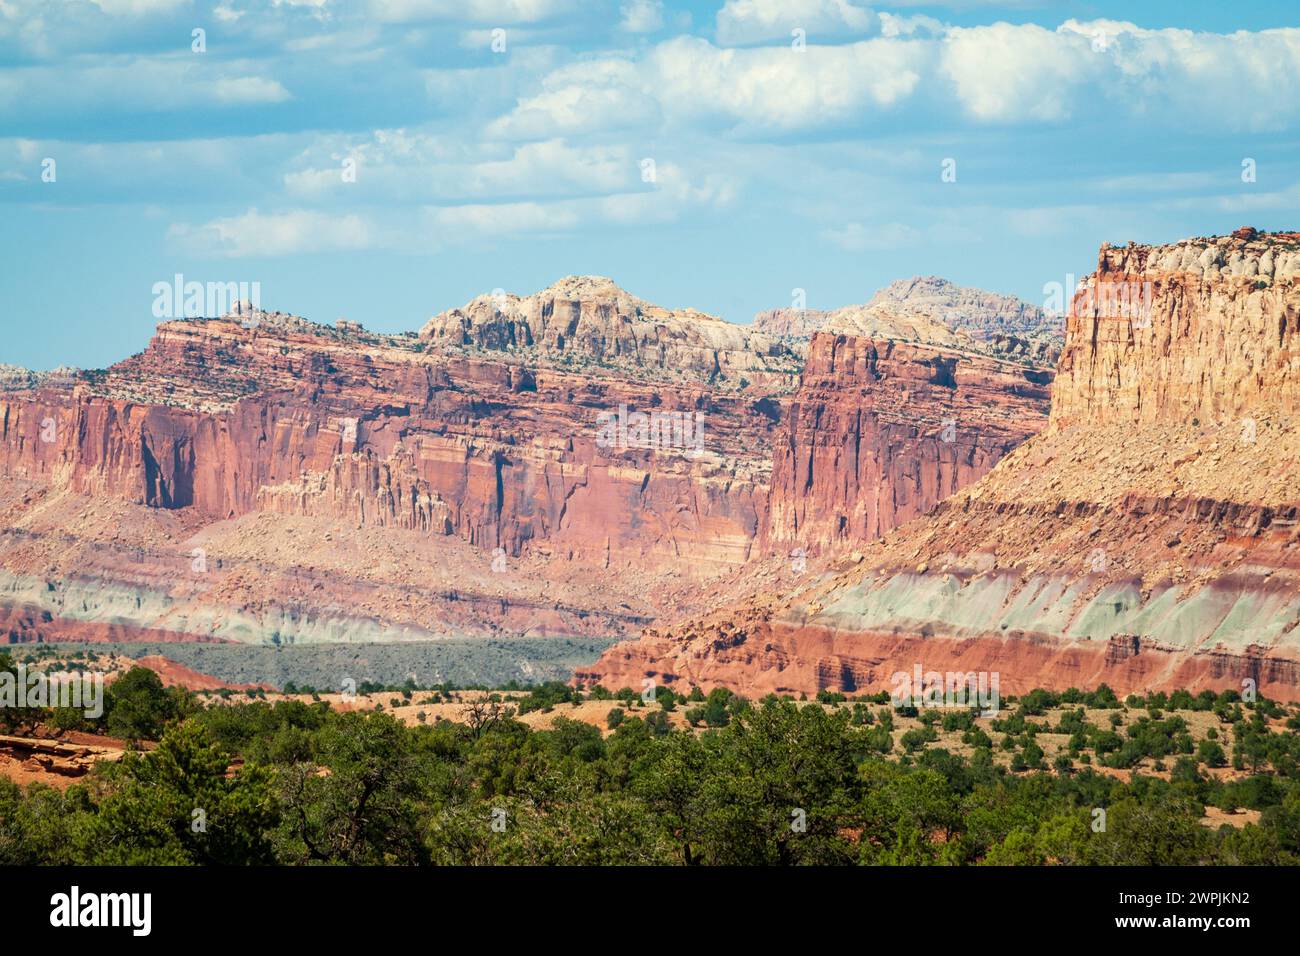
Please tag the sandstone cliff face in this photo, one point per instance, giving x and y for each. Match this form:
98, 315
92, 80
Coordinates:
229, 420
1147, 538
1203, 328
578, 461
265, 421
879, 432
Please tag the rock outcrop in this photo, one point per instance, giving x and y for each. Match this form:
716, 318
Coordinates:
983, 314
879, 432
790, 323
588, 321
932, 311
1204, 328
1147, 538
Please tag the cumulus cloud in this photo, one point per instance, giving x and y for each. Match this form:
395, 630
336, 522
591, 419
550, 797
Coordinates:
1027, 73
550, 138
779, 89
595, 95
1012, 73
1187, 76
1003, 73
272, 234
688, 79
893, 25
755, 21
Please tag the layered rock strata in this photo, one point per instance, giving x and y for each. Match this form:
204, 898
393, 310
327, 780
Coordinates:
577, 461
880, 432
526, 493
1147, 538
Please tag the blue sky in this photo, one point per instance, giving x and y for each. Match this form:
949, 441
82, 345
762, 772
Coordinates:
772, 168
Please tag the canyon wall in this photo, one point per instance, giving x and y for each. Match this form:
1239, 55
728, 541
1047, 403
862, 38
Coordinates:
533, 494
498, 454
575, 461
1147, 538
879, 432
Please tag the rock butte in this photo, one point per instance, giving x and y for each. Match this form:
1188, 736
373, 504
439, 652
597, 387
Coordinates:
258, 477
1147, 538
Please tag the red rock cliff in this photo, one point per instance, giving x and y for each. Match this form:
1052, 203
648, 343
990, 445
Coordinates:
289, 428
618, 454
1148, 538
879, 432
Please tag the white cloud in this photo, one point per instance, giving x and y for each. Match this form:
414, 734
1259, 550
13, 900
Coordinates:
641, 16
551, 166
590, 96
779, 89
248, 89
754, 21
1243, 80
1102, 71
675, 192
136, 8
506, 220
496, 12
402, 165
1008, 73
893, 25
672, 197
549, 139
273, 234
1027, 73
143, 83
855, 237
755, 90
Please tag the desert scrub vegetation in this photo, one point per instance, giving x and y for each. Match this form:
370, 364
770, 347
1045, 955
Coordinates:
769, 782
